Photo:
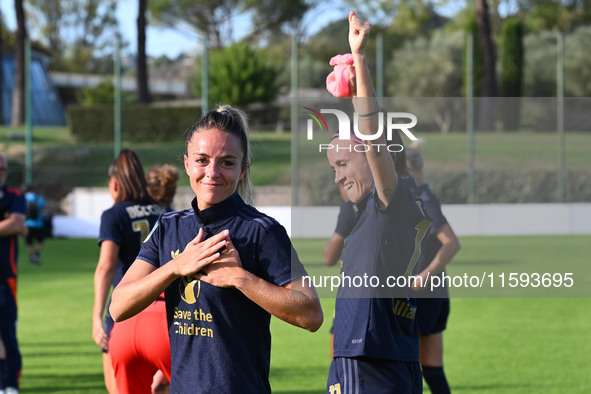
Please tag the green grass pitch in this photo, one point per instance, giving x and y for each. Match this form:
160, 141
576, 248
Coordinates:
492, 345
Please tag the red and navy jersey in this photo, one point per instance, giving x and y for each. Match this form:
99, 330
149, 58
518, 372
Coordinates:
219, 339
372, 317
11, 201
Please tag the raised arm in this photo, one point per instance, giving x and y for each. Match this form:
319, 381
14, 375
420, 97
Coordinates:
366, 106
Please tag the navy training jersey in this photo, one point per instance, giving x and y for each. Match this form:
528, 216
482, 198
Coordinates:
375, 320
12, 200
346, 219
433, 209
219, 339
127, 224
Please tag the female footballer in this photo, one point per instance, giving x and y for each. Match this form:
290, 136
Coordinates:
432, 308
225, 269
139, 347
375, 335
122, 229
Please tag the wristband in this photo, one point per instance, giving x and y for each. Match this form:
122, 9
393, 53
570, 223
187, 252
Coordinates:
369, 114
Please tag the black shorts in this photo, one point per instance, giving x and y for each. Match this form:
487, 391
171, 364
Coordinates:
35, 234
363, 375
432, 314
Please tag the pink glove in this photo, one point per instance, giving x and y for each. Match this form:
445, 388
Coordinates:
337, 82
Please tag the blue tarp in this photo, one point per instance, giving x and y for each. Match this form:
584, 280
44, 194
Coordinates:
48, 109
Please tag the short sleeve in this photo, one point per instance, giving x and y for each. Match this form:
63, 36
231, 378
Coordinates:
433, 207
346, 219
278, 259
109, 228
149, 251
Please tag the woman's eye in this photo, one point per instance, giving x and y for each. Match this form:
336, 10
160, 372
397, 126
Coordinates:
201, 161
228, 163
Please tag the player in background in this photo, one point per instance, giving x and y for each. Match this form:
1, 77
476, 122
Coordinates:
334, 247
13, 213
345, 223
123, 228
432, 309
139, 347
376, 338
225, 269
162, 181
35, 225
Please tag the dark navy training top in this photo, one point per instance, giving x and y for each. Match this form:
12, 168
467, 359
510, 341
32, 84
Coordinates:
433, 209
373, 318
219, 339
127, 224
346, 219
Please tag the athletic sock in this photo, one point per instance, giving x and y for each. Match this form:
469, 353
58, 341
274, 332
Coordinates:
435, 378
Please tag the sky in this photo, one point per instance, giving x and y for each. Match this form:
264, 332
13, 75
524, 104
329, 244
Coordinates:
169, 42
159, 41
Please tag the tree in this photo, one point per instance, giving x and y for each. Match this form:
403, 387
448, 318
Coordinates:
414, 18
46, 17
429, 67
512, 59
489, 85
542, 15
240, 75
18, 91
540, 64
477, 62
378, 12
142, 66
77, 32
271, 16
489, 82
209, 17
103, 93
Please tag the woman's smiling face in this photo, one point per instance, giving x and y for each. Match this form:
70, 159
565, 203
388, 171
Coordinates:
214, 164
351, 169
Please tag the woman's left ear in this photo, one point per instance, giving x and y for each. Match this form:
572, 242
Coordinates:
243, 171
